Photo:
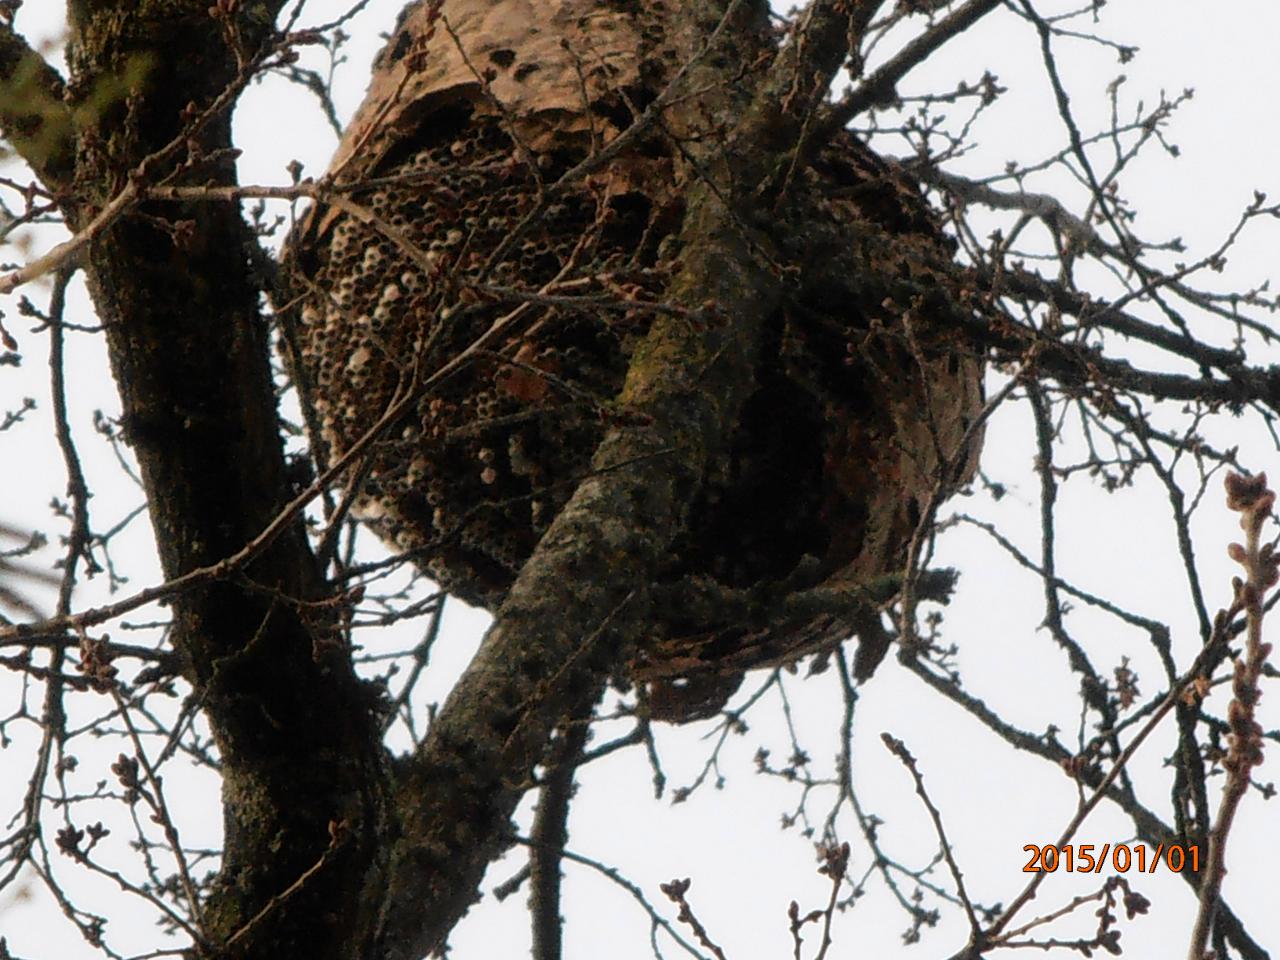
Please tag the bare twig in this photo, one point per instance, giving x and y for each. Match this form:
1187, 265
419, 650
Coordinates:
1253, 500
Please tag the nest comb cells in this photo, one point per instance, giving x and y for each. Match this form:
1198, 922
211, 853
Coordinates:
836, 452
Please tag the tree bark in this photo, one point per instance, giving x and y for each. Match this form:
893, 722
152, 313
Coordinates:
300, 748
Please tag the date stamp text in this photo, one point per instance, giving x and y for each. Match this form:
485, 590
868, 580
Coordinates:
1120, 858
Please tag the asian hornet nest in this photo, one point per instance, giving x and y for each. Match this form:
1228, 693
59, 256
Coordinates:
861, 412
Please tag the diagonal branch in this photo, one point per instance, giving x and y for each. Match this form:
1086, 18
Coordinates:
684, 388
587, 576
879, 88
33, 116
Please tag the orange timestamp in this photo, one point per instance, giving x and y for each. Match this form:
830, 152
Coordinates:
1122, 857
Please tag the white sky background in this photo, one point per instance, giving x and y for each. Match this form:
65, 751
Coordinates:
744, 869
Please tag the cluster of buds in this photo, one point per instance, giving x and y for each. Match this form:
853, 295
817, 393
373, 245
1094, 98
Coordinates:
95, 663
1254, 501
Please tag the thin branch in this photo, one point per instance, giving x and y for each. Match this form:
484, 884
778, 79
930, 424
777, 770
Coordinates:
550, 831
1254, 501
880, 88
899, 750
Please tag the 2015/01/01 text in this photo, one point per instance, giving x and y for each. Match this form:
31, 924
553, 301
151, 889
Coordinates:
1081, 858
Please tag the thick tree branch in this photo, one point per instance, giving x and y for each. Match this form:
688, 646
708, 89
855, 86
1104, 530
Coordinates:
33, 116
189, 352
570, 616
567, 619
